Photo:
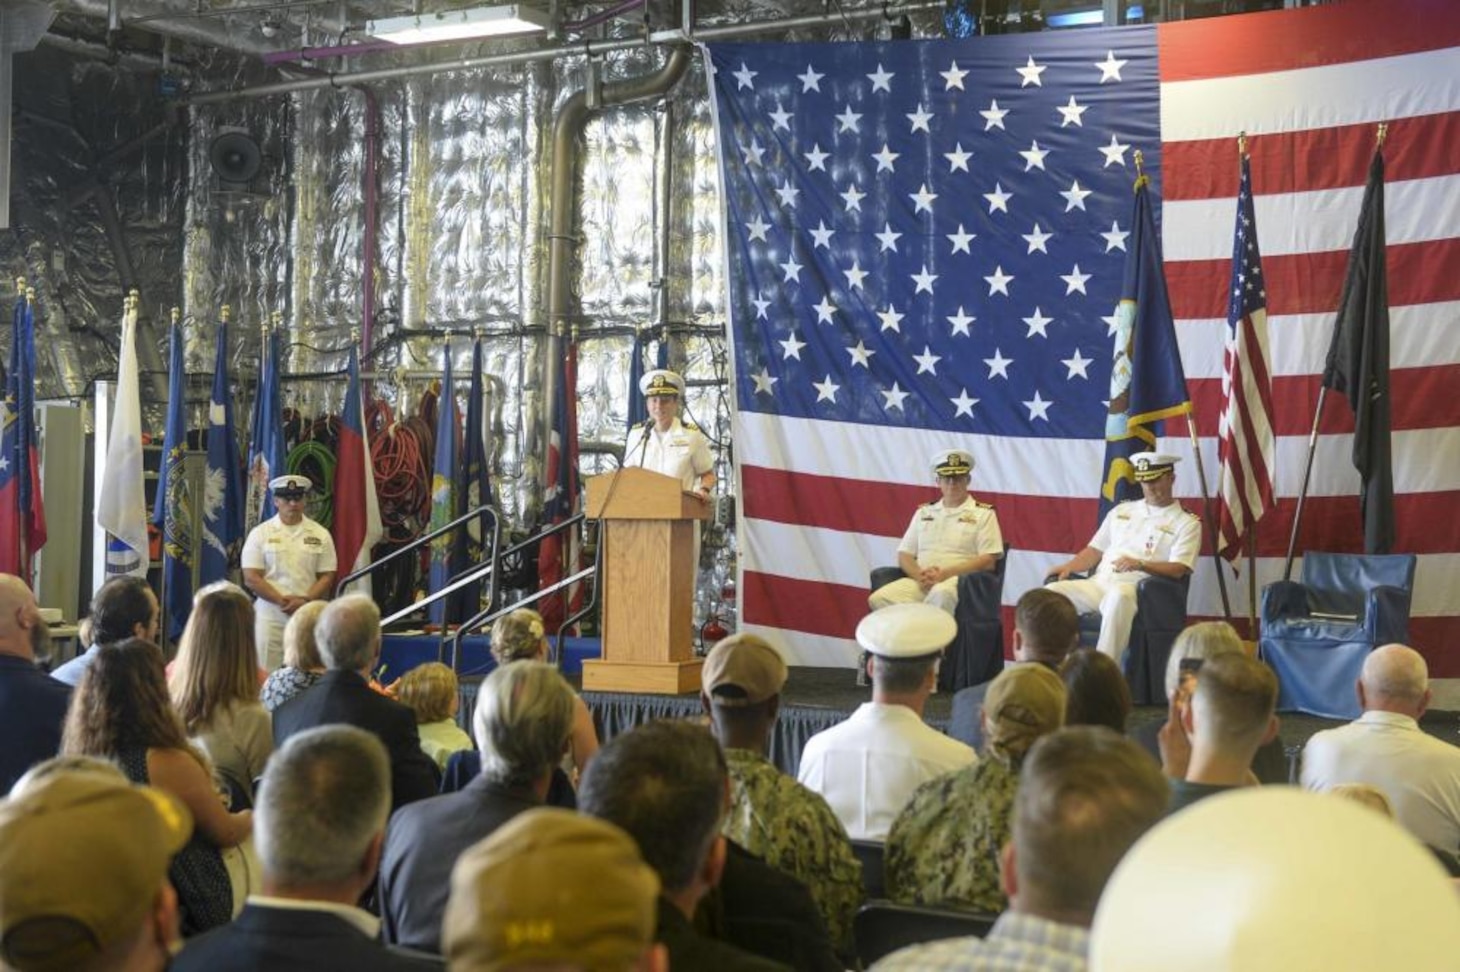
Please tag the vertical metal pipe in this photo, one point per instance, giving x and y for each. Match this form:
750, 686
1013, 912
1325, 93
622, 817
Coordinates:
370, 236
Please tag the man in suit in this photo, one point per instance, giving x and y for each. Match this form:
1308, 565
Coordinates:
318, 826
32, 704
348, 635
524, 714
1046, 630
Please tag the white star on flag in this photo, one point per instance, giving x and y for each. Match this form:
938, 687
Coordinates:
763, 381
927, 361
1077, 364
1070, 113
1110, 67
890, 318
993, 116
961, 322
881, 80
924, 281
810, 80
1030, 72
860, 354
999, 282
1075, 280
998, 199
957, 159
1038, 323
998, 365
1075, 196
953, 78
792, 347
1115, 239
963, 404
895, 396
961, 239
1038, 408
1037, 238
826, 390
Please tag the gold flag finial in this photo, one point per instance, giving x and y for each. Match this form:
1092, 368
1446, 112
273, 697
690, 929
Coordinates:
1141, 178
176, 315
224, 313
20, 286
1242, 145
1383, 133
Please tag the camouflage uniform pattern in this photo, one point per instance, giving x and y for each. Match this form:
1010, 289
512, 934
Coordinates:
944, 847
795, 831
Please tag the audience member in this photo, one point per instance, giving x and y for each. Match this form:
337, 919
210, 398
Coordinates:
321, 820
348, 634
57, 765
83, 875
1193, 646
1386, 748
945, 846
214, 687
432, 693
32, 706
520, 636
868, 766
665, 784
122, 712
553, 889
1085, 797
1208, 745
1273, 879
771, 815
1046, 629
302, 664
1096, 693
524, 712
124, 607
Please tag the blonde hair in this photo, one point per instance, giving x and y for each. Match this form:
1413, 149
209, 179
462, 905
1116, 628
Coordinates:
216, 665
429, 690
1205, 640
300, 649
517, 636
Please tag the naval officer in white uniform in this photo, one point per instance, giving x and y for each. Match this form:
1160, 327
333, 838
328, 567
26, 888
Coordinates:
1153, 535
664, 443
288, 560
947, 538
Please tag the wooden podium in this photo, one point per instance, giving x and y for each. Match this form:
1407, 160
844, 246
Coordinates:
647, 587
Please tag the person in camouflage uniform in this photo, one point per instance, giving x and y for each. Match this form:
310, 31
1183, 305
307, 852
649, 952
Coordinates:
771, 815
944, 847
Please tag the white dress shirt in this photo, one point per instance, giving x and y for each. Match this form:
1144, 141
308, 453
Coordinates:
868, 766
1417, 772
680, 452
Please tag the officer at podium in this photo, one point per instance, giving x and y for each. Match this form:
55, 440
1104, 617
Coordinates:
665, 444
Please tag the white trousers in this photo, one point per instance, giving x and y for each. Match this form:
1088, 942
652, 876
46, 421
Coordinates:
268, 640
905, 590
1116, 602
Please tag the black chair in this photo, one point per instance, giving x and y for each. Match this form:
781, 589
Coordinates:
1160, 616
882, 927
1317, 633
869, 854
977, 652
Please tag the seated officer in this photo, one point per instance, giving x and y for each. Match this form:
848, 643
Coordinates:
947, 538
1152, 535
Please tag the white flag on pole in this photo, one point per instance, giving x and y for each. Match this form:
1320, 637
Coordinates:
121, 509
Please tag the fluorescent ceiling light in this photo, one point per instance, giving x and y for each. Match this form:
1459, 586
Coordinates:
458, 25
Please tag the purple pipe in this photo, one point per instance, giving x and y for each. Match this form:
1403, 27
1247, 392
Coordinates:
370, 240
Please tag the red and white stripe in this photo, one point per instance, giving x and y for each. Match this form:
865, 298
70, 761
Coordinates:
1309, 87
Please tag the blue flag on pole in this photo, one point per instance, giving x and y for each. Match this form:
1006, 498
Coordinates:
444, 562
172, 508
222, 488
266, 432
1147, 384
20, 494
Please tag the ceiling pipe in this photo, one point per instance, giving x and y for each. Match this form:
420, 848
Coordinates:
568, 128
588, 49
162, 18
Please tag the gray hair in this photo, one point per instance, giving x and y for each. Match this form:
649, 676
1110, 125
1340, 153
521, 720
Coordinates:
524, 714
348, 633
325, 797
1396, 673
1205, 640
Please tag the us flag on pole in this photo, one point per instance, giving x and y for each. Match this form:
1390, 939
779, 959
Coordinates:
924, 243
1245, 447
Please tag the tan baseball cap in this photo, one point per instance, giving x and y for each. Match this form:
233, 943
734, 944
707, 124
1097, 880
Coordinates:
550, 885
82, 857
1023, 703
746, 662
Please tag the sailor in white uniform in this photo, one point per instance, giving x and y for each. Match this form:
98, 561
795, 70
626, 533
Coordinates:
288, 560
664, 443
1154, 535
947, 538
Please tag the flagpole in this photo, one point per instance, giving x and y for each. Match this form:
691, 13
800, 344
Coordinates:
1206, 501
26, 295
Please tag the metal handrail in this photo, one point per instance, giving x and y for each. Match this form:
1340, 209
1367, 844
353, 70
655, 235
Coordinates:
488, 614
374, 565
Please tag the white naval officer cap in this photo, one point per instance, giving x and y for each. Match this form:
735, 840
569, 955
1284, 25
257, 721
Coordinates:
1152, 465
661, 381
952, 462
291, 485
906, 631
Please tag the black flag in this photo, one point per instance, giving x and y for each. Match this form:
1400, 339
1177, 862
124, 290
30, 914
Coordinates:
1358, 363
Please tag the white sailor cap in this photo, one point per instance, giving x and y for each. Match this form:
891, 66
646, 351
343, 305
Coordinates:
906, 631
661, 381
291, 485
952, 462
1152, 465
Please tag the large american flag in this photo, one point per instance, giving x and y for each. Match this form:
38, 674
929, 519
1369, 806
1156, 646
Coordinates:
924, 245
1246, 445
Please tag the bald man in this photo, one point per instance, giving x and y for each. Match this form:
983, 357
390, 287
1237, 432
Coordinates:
32, 704
1386, 748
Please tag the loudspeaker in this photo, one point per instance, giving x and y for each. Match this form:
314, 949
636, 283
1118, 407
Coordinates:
235, 157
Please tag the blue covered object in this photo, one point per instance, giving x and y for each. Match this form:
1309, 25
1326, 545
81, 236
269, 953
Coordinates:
1317, 633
